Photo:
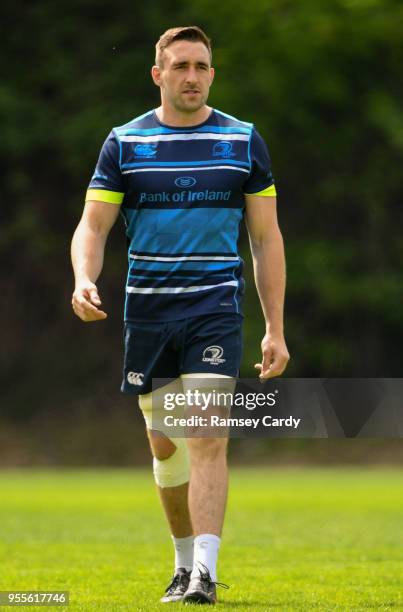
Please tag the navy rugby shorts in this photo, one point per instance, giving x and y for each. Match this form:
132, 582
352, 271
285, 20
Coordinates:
203, 344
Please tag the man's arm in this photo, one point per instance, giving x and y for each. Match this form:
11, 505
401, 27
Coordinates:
87, 255
267, 249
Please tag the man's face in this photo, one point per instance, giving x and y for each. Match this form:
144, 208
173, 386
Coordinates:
185, 75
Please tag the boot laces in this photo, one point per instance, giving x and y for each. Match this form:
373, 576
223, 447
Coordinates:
206, 577
176, 581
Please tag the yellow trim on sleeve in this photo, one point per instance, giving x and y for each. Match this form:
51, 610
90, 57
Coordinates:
269, 191
102, 195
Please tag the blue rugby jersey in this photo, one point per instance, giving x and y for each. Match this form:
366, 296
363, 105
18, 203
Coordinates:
181, 191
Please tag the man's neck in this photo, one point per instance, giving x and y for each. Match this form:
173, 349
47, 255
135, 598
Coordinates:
177, 119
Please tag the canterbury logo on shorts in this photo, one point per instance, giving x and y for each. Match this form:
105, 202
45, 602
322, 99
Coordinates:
135, 378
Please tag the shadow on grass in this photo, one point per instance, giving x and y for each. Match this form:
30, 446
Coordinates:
255, 605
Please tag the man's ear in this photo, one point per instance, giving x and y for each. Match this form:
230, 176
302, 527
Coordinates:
212, 73
156, 75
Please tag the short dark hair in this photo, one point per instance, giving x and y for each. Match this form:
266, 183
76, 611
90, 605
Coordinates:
191, 33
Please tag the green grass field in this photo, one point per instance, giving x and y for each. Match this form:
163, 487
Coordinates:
294, 539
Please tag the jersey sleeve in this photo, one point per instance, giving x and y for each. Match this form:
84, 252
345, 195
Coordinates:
106, 184
260, 181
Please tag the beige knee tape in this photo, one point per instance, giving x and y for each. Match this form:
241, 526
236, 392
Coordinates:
175, 470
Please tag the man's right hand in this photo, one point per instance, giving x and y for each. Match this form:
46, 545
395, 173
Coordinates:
85, 302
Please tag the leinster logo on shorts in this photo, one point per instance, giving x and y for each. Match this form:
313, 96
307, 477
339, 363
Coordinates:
213, 354
135, 378
223, 149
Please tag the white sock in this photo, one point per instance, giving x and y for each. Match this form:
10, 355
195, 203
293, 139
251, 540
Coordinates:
183, 552
206, 547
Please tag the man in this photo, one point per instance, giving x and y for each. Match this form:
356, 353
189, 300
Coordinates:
183, 176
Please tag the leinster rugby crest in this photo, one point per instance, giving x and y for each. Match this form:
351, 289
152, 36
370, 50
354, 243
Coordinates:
213, 355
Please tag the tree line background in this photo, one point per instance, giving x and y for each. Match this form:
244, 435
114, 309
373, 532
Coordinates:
322, 81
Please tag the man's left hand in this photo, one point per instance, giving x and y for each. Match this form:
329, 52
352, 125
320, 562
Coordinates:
275, 356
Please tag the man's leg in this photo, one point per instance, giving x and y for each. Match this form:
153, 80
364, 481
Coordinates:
171, 473
207, 500
208, 484
208, 490
174, 499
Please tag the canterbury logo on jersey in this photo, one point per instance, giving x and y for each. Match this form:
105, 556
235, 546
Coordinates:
145, 151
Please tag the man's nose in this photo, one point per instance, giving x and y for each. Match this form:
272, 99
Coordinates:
191, 75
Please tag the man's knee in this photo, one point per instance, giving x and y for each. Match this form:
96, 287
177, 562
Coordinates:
161, 446
175, 470
171, 464
207, 449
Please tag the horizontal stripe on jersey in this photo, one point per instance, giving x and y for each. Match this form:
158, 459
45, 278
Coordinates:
137, 279
172, 267
184, 136
190, 169
189, 289
180, 164
200, 130
193, 257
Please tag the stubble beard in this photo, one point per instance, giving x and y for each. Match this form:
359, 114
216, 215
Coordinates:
189, 107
